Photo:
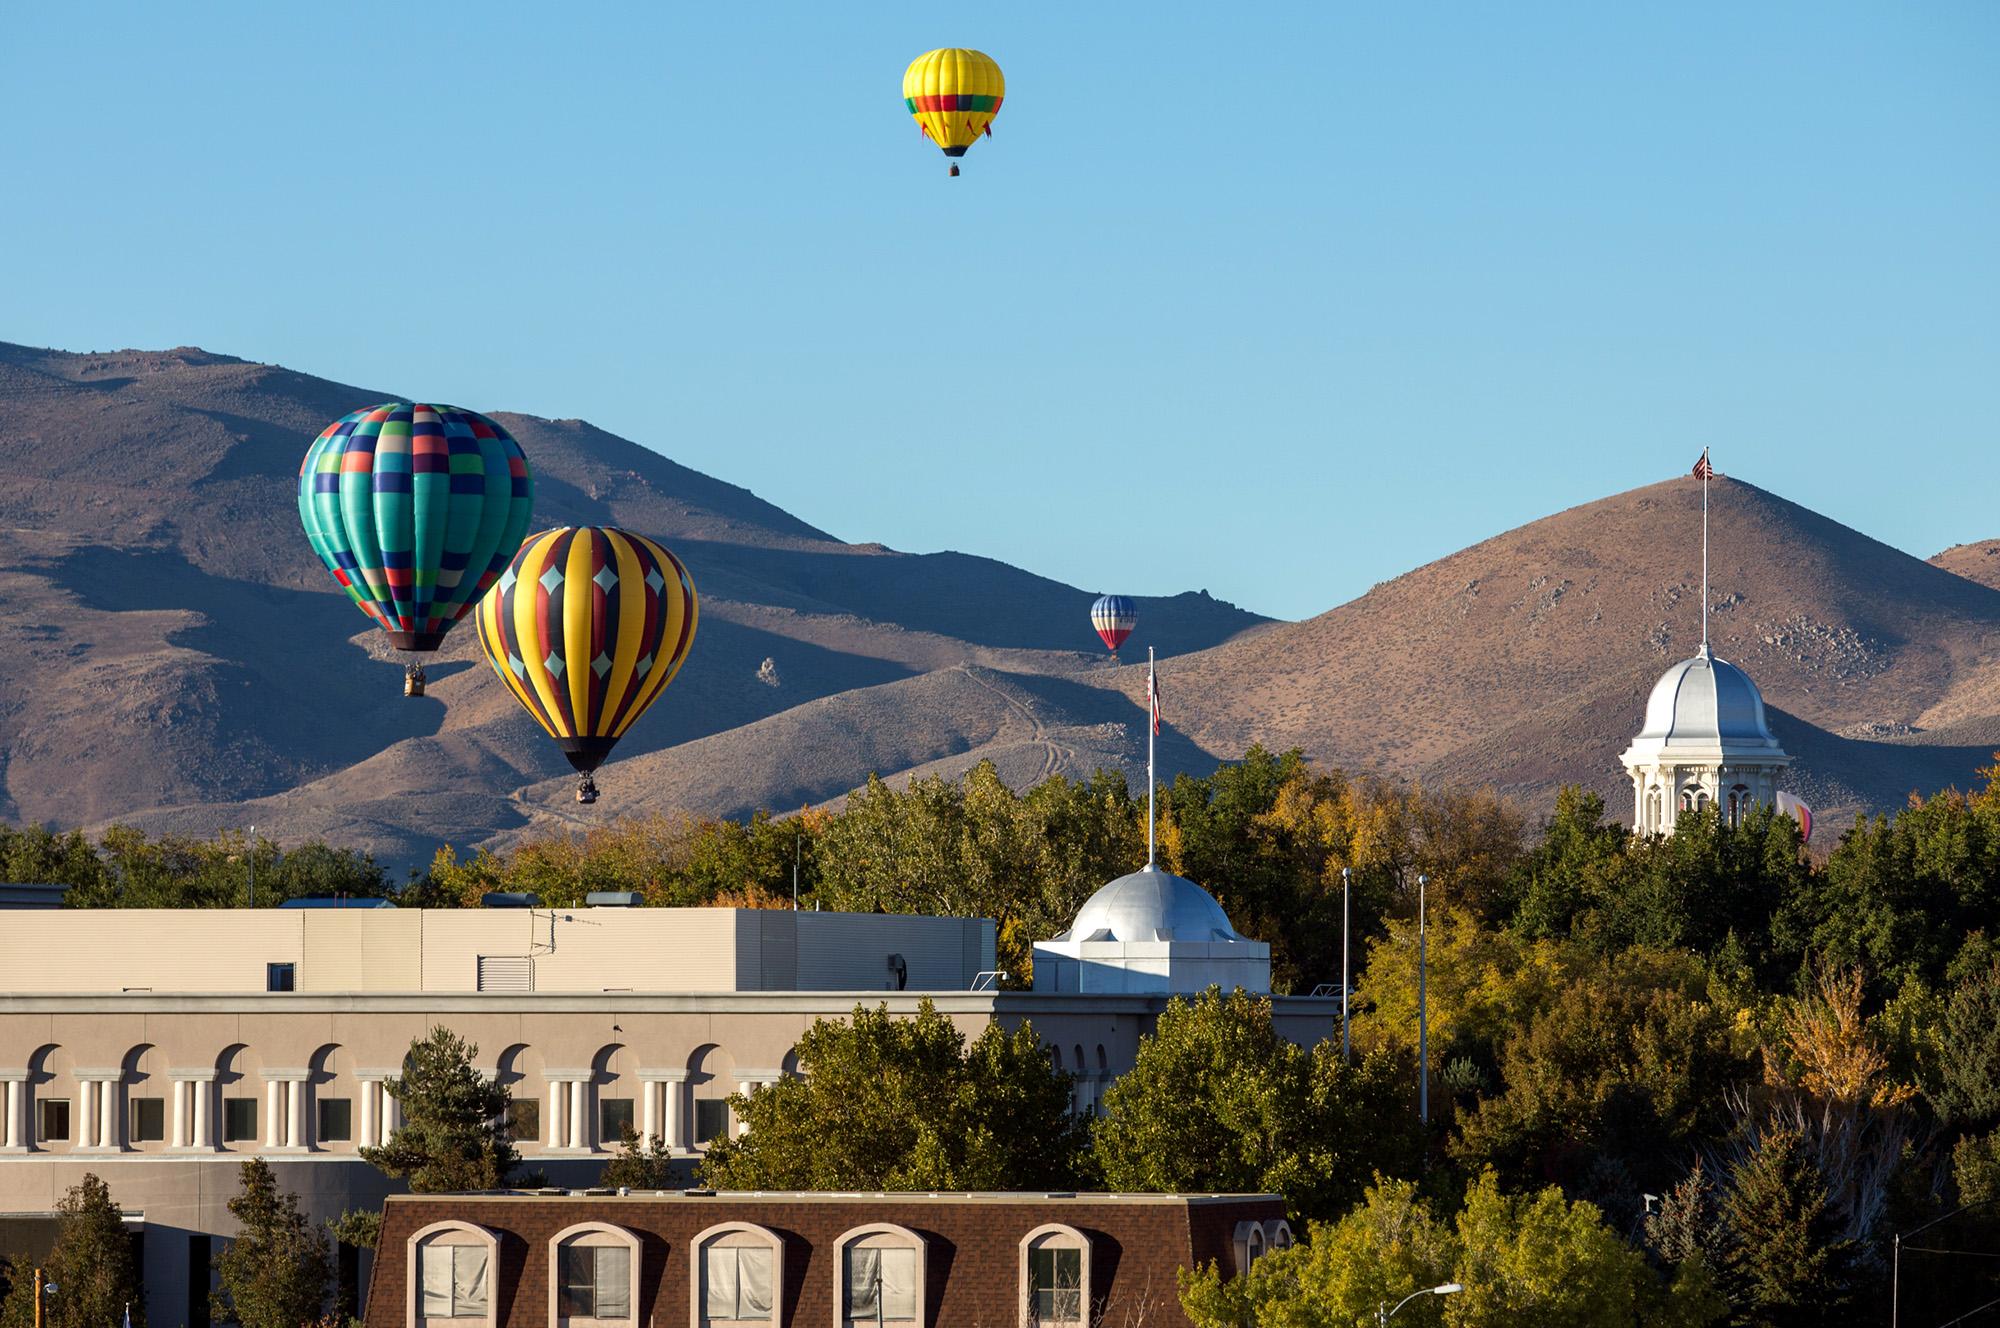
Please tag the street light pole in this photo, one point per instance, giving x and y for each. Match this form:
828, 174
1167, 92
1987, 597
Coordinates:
1383, 1313
1346, 878
1423, 1011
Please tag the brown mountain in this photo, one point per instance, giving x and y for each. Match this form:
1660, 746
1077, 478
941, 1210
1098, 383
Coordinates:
175, 658
1525, 660
1979, 561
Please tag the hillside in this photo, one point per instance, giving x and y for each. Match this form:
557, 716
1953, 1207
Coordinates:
1525, 660
176, 658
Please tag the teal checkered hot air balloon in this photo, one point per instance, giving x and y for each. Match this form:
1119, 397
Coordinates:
416, 510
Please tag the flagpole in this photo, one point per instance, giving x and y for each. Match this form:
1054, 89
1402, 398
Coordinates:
1152, 724
1706, 471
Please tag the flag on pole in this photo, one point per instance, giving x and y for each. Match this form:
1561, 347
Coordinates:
1702, 470
1798, 811
1153, 688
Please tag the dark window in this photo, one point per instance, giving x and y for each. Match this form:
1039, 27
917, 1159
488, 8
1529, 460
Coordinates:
239, 1119
614, 1117
54, 1120
1055, 1285
281, 977
711, 1119
524, 1119
149, 1120
336, 1120
596, 1281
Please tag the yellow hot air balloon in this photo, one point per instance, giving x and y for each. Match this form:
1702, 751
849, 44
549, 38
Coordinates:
587, 626
954, 93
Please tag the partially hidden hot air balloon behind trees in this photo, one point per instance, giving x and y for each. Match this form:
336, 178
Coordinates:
954, 93
1114, 617
587, 628
416, 510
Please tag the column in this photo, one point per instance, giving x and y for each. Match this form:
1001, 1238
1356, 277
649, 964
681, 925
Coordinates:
555, 1130
13, 1127
204, 1113
177, 1131
274, 1113
581, 1136
649, 1113
110, 1129
370, 1088
674, 1088
84, 1122
392, 1113
295, 1115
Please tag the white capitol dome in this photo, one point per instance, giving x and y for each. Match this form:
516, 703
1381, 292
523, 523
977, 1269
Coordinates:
1705, 743
1151, 905
1706, 703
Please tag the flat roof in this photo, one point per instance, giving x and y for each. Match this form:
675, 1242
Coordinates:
1010, 1197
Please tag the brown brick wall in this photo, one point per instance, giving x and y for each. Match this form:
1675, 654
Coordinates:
972, 1274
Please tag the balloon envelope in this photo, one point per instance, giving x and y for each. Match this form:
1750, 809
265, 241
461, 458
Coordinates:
415, 509
954, 95
587, 627
1114, 617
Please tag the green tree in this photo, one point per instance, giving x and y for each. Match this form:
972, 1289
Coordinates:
1217, 1100
90, 1264
277, 1272
452, 1136
905, 1104
1535, 1258
1784, 1261
1575, 864
1611, 1085
1968, 1064
639, 1164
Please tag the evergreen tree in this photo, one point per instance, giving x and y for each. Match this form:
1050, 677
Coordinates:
453, 1135
1968, 1067
1784, 1263
91, 1266
277, 1271
637, 1165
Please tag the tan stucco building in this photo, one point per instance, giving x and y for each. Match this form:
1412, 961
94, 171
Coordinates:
159, 1048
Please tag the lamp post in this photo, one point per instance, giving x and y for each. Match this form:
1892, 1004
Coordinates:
1383, 1313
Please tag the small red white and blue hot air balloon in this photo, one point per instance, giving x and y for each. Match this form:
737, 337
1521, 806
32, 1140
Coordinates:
1798, 811
1114, 617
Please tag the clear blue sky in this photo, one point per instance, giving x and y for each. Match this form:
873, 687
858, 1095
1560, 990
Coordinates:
1275, 301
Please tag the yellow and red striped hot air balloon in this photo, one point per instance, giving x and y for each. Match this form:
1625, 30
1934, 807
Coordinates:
954, 93
587, 626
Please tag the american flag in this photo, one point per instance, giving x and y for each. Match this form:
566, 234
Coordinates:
1702, 470
1153, 691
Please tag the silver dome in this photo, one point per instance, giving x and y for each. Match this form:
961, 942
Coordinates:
1706, 702
1151, 905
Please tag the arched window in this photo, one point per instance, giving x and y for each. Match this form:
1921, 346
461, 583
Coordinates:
1103, 1061
1687, 801
739, 1276
879, 1278
451, 1276
1250, 1242
1278, 1235
1055, 1277
593, 1276
1055, 1057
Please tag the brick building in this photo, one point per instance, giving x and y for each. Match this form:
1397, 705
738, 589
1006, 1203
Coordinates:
578, 1259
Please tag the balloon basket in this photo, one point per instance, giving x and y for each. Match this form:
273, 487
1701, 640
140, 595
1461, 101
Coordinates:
954, 170
413, 680
586, 790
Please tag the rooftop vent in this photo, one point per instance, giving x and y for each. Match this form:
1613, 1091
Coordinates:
510, 899
612, 899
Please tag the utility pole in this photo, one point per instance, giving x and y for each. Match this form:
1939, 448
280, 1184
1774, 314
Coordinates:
251, 858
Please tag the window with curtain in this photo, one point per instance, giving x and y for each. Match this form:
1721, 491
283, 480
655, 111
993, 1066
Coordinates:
452, 1279
595, 1281
881, 1283
736, 1282
1055, 1285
